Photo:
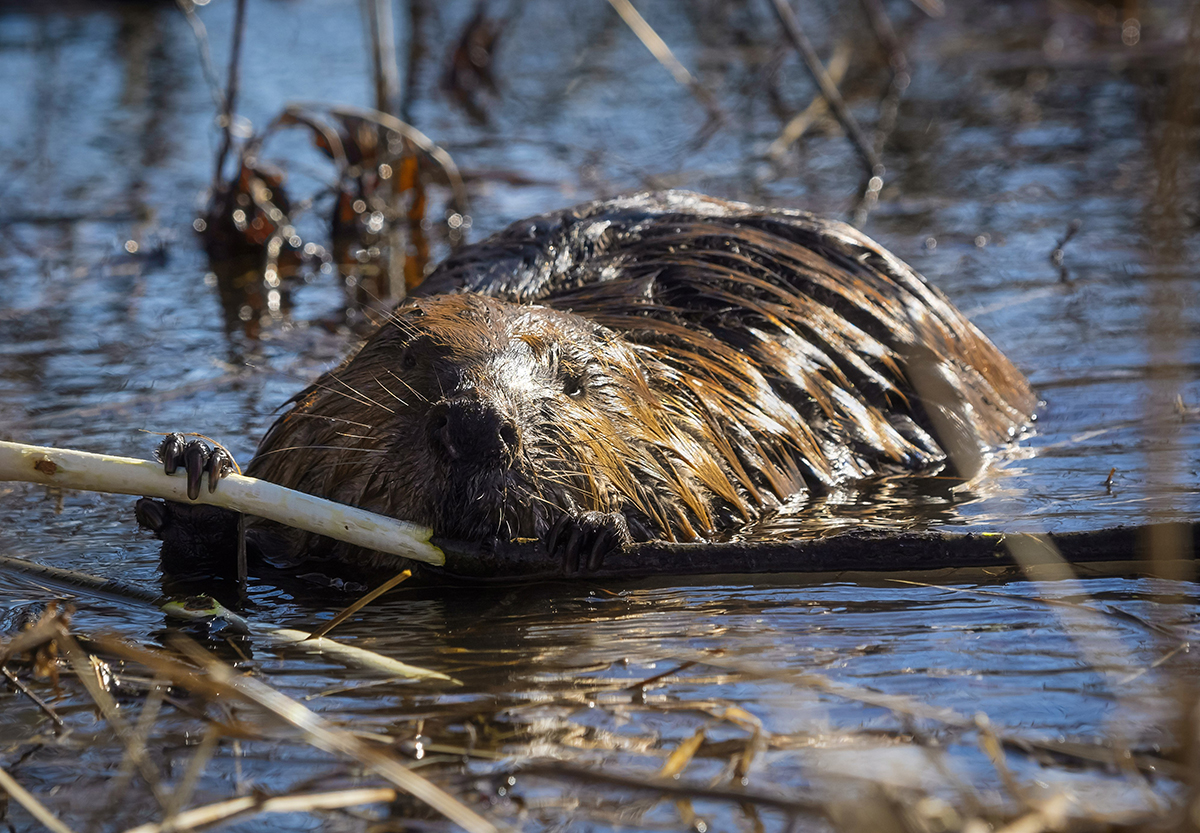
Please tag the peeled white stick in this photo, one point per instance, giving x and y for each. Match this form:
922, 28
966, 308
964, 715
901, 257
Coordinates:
354, 656
68, 469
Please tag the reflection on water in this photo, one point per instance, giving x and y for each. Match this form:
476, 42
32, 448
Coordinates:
838, 686
1020, 119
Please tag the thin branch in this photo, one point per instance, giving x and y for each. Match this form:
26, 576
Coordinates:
402, 128
799, 123
791, 802
182, 794
359, 604
88, 673
889, 105
67, 469
317, 730
37, 701
34, 807
231, 91
200, 32
252, 805
795, 33
382, 33
418, 10
659, 49
201, 608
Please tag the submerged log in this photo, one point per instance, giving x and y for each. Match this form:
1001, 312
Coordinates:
1117, 548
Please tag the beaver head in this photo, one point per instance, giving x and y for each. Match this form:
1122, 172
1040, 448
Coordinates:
483, 419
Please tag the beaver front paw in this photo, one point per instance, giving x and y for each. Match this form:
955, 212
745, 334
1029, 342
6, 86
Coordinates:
197, 459
199, 541
581, 541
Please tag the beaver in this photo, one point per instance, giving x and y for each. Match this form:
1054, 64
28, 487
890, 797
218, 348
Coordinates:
663, 366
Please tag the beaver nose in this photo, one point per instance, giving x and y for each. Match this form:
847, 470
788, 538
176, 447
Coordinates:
465, 429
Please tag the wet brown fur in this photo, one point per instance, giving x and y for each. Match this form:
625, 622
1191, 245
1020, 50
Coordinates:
685, 362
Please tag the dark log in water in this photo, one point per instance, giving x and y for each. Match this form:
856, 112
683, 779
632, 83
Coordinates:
1120, 549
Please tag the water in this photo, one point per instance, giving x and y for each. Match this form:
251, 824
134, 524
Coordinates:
1019, 119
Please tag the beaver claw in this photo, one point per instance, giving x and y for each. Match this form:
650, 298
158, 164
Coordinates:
197, 459
587, 537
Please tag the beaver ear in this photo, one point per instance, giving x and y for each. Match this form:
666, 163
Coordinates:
409, 308
402, 322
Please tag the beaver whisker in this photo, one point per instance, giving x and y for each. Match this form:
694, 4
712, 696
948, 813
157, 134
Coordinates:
339, 448
356, 397
415, 392
404, 324
329, 418
360, 394
355, 436
500, 519
388, 391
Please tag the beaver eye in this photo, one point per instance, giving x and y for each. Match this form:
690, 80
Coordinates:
573, 386
413, 353
411, 358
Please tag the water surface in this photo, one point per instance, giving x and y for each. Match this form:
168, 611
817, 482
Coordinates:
1019, 120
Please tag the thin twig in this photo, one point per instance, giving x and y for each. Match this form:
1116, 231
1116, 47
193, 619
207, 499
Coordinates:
561, 770
182, 794
141, 733
385, 74
889, 105
360, 603
885, 33
88, 673
419, 140
34, 807
231, 90
205, 608
218, 678
37, 701
641, 685
200, 32
663, 54
382, 32
1116, 613
682, 754
418, 10
252, 805
825, 84
799, 123
1094, 641
991, 745
1057, 254
933, 8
